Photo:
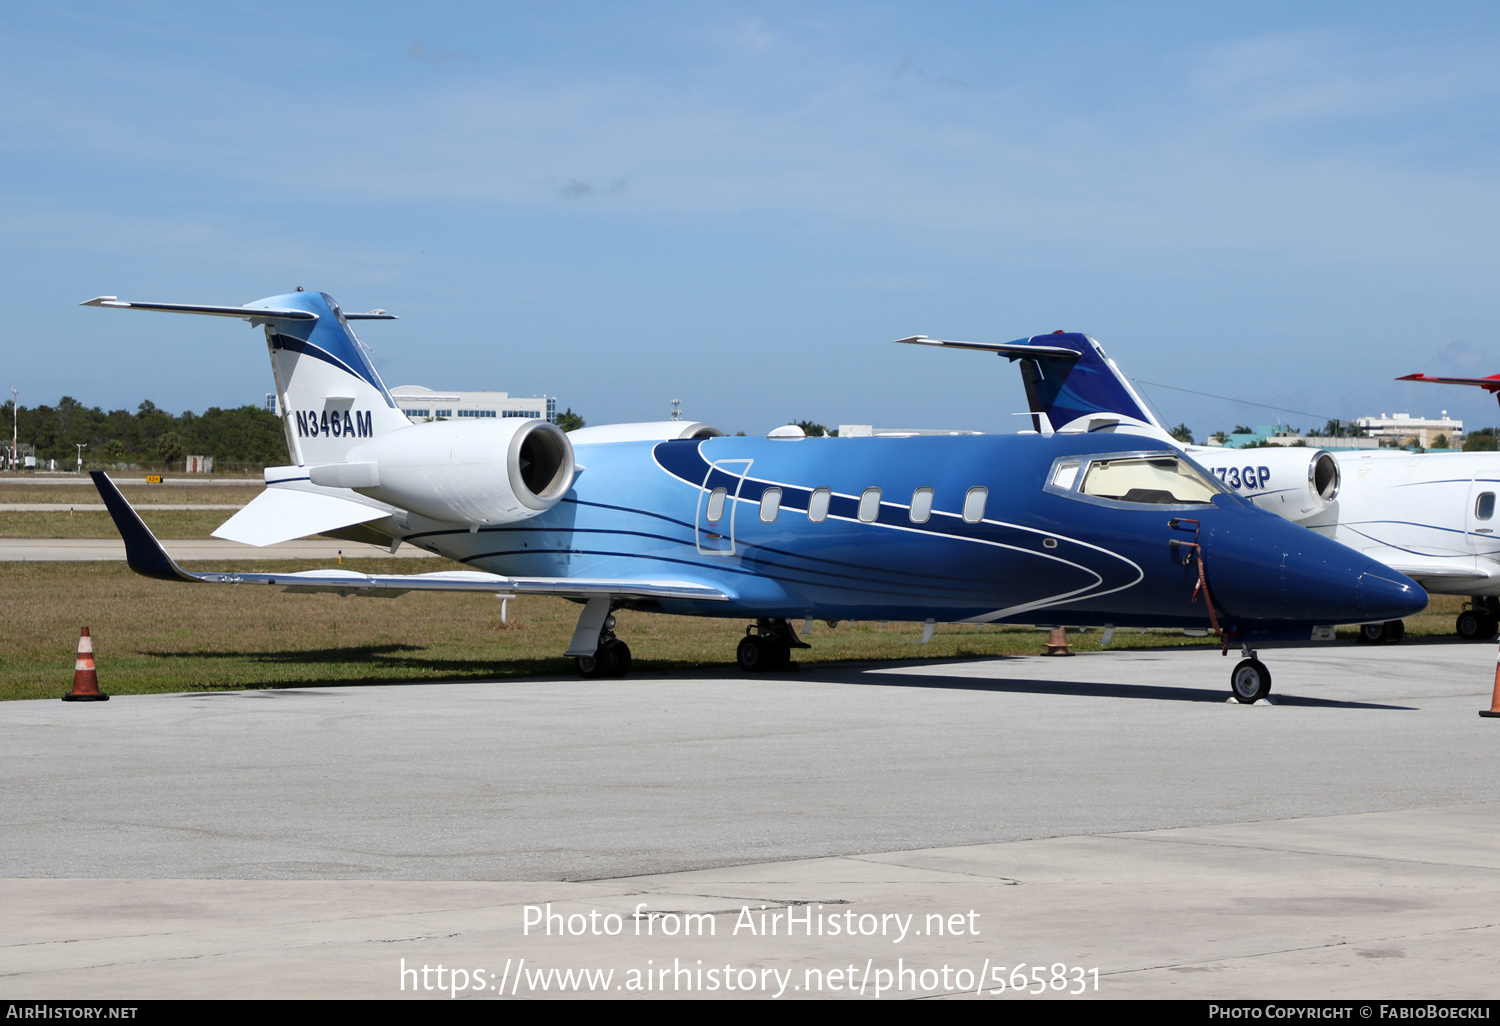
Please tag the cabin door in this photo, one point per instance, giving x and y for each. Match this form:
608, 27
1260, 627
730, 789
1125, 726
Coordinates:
717, 502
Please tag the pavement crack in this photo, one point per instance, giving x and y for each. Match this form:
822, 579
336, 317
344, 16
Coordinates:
1296, 851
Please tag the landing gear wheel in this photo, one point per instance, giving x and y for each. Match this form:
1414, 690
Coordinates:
1395, 630
605, 662
1475, 625
778, 656
622, 658
1372, 633
753, 654
1250, 681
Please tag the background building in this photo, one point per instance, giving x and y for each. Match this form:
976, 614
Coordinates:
420, 403
1403, 429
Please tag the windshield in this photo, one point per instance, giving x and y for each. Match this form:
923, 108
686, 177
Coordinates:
1161, 479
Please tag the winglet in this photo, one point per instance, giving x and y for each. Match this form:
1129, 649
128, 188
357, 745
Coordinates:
142, 551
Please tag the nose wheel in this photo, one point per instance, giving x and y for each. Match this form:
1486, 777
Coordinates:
1250, 681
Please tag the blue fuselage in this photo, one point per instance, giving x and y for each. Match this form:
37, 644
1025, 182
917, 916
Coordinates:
1025, 551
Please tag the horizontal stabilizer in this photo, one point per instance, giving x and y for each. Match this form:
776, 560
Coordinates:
1011, 349
246, 312
261, 313
281, 514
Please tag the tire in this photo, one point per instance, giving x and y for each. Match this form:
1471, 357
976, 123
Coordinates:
1373, 633
1491, 625
1250, 681
1473, 625
1395, 630
622, 659
778, 656
604, 662
752, 655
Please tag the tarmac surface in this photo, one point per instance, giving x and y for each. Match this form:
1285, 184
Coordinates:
1106, 811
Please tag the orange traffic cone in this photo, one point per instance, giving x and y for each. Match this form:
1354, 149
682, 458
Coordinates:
85, 677
1057, 643
1494, 709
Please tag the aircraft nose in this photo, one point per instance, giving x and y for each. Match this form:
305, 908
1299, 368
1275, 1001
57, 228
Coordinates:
1279, 571
1389, 596
1324, 581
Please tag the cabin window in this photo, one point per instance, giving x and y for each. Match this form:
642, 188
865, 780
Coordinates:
869, 505
921, 505
716, 504
817, 506
1065, 475
974, 502
770, 505
1164, 480
1485, 507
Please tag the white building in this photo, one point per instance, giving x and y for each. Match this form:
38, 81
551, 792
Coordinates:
420, 403
1415, 429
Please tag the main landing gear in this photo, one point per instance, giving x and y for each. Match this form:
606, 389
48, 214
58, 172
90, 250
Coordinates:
610, 659
598, 652
1250, 681
1480, 619
767, 646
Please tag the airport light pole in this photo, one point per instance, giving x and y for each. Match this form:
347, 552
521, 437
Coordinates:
81, 446
13, 434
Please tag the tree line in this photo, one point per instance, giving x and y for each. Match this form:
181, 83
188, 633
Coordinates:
248, 434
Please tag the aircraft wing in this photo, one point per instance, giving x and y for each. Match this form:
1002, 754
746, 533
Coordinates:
147, 557
1490, 384
1438, 572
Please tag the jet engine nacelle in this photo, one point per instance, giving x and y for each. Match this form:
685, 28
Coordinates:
481, 472
1291, 481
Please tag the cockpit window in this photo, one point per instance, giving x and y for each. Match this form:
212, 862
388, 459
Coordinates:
1160, 479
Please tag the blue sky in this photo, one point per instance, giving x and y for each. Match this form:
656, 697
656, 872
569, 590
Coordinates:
740, 205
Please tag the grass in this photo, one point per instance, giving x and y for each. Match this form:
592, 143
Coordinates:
85, 492
166, 523
154, 636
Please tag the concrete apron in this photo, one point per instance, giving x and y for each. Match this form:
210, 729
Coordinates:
1377, 905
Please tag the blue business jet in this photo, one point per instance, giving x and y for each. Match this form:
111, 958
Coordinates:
1068, 529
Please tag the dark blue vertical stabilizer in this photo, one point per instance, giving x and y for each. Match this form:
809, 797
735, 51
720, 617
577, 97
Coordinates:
1066, 391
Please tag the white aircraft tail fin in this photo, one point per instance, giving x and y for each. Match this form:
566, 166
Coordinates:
330, 394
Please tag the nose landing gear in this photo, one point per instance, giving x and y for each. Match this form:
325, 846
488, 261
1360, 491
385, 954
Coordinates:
1250, 681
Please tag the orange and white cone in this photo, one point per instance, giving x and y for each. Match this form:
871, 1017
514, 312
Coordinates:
1057, 643
1494, 709
85, 676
